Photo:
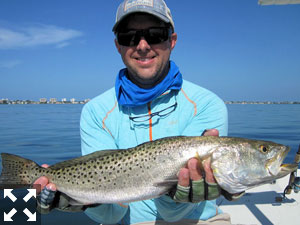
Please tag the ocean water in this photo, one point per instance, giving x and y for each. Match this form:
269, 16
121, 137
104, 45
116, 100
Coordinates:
50, 134
278, 123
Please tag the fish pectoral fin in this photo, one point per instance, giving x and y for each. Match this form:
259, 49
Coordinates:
66, 200
170, 182
75, 202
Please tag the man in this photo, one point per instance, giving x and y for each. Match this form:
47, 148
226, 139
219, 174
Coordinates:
150, 100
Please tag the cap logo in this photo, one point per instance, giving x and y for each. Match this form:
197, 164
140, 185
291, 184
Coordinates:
132, 3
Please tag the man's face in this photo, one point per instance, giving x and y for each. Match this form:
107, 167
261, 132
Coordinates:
147, 64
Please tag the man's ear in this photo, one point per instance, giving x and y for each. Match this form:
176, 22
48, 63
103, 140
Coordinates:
118, 46
173, 40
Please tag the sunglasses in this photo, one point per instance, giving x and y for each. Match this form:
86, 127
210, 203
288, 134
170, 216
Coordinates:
153, 35
161, 113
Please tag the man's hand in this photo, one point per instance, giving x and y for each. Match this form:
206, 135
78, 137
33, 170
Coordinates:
47, 194
193, 171
192, 186
196, 183
49, 198
44, 182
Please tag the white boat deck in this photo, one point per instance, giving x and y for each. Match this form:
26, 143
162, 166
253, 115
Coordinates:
259, 206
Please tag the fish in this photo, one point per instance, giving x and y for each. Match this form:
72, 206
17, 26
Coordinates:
150, 170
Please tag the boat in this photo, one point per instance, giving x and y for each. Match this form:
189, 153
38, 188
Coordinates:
266, 205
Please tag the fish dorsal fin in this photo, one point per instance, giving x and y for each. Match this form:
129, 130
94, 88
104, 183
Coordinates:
84, 159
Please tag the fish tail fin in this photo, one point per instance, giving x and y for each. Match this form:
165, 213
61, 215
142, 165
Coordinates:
16, 171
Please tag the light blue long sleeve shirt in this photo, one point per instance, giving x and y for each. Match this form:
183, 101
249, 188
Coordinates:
106, 125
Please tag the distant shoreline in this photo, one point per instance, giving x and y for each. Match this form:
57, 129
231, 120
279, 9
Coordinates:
28, 102
262, 103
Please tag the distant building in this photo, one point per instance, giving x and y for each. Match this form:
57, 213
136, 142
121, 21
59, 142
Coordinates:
52, 100
72, 100
4, 101
63, 99
43, 100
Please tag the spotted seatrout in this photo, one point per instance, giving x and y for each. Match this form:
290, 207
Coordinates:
150, 169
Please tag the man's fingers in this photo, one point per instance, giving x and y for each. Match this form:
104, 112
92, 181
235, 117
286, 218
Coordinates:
184, 177
51, 187
209, 176
43, 181
211, 132
194, 168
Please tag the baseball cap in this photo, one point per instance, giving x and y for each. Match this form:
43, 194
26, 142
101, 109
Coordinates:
156, 8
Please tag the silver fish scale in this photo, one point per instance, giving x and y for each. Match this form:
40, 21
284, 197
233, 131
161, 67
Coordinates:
125, 174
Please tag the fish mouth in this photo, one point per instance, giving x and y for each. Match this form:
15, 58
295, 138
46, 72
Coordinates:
275, 166
284, 169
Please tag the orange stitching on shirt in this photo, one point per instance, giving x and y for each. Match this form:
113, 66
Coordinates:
103, 121
150, 121
195, 105
124, 206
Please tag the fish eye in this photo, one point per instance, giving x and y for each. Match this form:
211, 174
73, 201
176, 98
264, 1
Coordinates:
263, 149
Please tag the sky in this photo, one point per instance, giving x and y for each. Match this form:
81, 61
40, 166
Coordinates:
65, 49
